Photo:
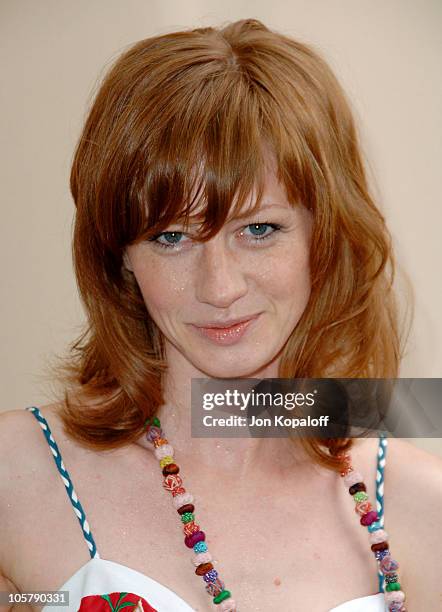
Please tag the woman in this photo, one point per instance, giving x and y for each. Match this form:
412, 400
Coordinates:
218, 178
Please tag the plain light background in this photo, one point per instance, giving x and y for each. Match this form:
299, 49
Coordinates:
387, 56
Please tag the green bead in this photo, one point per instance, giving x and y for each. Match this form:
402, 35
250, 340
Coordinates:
393, 586
156, 422
221, 597
360, 496
186, 517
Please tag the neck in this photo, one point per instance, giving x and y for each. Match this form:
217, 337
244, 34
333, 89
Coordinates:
239, 458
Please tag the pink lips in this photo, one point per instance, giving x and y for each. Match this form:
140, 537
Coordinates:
226, 336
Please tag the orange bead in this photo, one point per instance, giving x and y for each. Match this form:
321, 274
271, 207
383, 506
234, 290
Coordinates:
190, 528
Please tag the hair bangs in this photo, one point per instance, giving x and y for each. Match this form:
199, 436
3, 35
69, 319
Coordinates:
208, 160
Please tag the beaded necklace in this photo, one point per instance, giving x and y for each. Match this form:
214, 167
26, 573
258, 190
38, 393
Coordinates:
195, 537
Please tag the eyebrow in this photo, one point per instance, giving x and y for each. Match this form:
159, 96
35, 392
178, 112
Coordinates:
270, 205
246, 213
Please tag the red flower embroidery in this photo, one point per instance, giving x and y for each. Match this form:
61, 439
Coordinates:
114, 602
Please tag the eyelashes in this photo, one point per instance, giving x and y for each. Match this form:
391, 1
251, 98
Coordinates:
255, 239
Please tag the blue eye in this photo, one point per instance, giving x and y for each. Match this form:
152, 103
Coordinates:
260, 228
173, 238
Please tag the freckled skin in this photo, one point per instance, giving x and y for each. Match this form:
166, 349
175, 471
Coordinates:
231, 275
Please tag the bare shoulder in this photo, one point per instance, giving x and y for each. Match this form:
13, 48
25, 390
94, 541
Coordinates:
21, 451
413, 498
413, 468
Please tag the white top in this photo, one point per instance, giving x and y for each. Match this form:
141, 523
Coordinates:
100, 582
100, 576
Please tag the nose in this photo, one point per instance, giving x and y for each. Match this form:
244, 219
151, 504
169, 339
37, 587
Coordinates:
220, 279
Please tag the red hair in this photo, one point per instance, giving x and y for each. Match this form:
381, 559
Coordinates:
185, 118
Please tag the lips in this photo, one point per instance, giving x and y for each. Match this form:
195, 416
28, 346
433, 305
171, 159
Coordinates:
226, 324
227, 336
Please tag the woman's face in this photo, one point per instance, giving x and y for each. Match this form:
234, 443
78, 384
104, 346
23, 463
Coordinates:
243, 271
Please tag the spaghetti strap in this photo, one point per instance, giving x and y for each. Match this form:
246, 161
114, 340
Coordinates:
64, 474
382, 452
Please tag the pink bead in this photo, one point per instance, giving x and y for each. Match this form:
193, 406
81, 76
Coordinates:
228, 605
165, 450
369, 518
182, 499
204, 557
352, 478
378, 536
388, 565
391, 596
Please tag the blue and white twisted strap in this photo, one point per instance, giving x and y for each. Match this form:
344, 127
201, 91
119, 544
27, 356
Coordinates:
64, 474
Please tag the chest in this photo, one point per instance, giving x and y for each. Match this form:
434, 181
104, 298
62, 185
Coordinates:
269, 548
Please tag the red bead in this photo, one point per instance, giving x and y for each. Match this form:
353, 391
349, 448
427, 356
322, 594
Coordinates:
359, 486
178, 491
203, 568
191, 540
172, 482
369, 518
170, 468
186, 508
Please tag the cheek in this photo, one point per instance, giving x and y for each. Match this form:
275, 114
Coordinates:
162, 288
285, 276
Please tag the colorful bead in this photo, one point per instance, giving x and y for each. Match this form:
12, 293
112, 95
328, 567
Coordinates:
190, 528
186, 508
390, 578
397, 607
229, 605
394, 586
153, 433
210, 576
352, 478
160, 442
359, 486
180, 500
202, 557
215, 587
363, 507
221, 597
165, 461
170, 468
388, 565
164, 451
368, 518
172, 481
379, 546
378, 536
394, 597
346, 471
203, 568
380, 554
178, 491
191, 540
200, 547
186, 517
360, 496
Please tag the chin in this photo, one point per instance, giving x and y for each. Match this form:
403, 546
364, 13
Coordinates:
239, 369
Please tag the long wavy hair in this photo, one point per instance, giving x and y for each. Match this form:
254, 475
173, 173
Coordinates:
186, 118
